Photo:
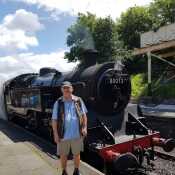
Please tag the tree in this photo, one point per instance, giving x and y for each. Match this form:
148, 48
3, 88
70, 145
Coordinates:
80, 37
162, 12
115, 40
104, 33
131, 24
90, 32
137, 20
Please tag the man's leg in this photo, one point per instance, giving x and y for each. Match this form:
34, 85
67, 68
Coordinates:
77, 161
63, 160
64, 148
77, 147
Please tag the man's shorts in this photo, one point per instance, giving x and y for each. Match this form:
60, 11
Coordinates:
75, 145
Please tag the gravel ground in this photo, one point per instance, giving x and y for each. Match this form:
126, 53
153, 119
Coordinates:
164, 167
160, 167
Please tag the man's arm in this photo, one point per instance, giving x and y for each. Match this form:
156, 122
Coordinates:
54, 122
54, 126
84, 121
84, 129
55, 131
84, 116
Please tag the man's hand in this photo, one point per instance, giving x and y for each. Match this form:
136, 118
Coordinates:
55, 131
56, 138
84, 131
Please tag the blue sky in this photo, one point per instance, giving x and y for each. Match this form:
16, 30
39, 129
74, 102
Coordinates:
33, 32
53, 36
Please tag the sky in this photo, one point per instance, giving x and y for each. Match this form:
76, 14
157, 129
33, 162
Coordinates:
33, 32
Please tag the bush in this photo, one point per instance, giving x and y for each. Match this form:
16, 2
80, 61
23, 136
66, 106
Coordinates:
159, 89
165, 90
139, 85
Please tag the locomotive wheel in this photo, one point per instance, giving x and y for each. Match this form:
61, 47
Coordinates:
32, 122
127, 161
169, 145
138, 152
10, 117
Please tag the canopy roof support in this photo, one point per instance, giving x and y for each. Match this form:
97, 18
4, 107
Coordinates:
149, 56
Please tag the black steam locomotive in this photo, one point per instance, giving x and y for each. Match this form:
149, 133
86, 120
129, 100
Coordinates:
106, 90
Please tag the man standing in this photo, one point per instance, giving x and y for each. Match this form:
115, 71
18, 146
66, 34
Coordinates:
69, 123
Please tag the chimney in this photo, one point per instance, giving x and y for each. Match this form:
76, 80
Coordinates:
90, 57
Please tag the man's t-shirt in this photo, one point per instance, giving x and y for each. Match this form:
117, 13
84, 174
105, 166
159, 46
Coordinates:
71, 119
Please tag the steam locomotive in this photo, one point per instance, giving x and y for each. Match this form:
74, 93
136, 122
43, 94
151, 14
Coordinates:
119, 141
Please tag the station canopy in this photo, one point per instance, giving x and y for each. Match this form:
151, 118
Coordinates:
160, 42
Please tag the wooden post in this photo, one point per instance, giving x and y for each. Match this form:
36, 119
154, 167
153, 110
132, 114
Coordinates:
149, 74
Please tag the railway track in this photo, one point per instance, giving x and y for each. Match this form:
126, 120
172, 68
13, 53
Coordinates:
164, 155
164, 164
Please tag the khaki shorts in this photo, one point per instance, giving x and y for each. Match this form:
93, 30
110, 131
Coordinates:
75, 145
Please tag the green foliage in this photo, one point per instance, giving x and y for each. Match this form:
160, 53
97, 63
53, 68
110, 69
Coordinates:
160, 90
104, 38
164, 86
90, 32
116, 39
80, 37
75, 54
137, 20
165, 91
162, 12
131, 24
138, 85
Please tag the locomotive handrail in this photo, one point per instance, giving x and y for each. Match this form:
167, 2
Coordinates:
132, 116
98, 126
106, 129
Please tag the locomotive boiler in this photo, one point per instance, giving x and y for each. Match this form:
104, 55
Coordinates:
117, 139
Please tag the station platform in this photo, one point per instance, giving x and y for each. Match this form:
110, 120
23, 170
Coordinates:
23, 153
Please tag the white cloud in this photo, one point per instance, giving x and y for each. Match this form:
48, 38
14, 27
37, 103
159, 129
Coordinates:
15, 39
23, 20
101, 8
17, 31
54, 59
11, 66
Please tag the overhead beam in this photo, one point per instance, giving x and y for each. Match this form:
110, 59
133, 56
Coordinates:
153, 48
168, 54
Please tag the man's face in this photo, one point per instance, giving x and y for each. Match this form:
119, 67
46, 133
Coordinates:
67, 90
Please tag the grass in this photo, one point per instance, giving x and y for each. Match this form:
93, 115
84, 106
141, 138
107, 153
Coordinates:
161, 90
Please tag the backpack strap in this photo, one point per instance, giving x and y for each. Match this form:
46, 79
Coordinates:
77, 103
78, 108
61, 109
61, 116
